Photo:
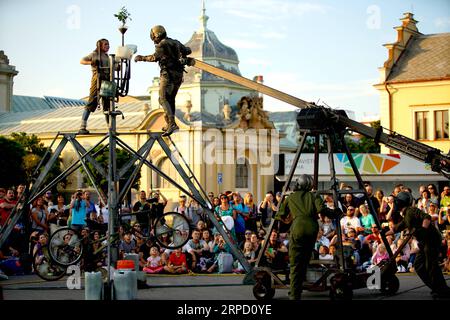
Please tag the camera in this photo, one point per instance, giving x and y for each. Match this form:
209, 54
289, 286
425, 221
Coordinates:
152, 200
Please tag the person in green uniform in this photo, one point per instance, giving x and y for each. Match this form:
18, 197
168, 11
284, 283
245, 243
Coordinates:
304, 207
429, 239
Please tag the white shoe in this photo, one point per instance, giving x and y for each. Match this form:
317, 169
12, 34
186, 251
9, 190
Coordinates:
3, 276
399, 268
409, 266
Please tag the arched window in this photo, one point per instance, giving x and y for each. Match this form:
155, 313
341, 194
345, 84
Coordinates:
166, 166
242, 174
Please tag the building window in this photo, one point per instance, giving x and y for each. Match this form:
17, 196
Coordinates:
168, 168
441, 124
421, 125
242, 174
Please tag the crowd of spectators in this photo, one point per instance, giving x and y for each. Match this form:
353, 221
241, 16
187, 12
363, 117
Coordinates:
206, 251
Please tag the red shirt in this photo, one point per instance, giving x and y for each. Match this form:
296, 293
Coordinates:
177, 261
374, 237
4, 213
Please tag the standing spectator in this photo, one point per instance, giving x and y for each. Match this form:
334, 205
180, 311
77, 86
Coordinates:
39, 216
6, 206
397, 189
433, 211
211, 197
48, 199
20, 190
2, 193
350, 221
267, 209
215, 202
239, 219
160, 204
194, 212
62, 210
434, 194
381, 213
142, 210
349, 201
443, 216
372, 198
424, 202
77, 211
251, 218
445, 197
182, 208
392, 213
225, 210
329, 201
91, 213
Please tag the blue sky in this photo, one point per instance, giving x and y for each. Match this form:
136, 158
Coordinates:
327, 50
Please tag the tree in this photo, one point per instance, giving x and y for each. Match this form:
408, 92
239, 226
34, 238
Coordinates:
361, 145
34, 151
12, 172
122, 157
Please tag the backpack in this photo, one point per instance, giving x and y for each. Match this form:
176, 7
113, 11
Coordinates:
225, 262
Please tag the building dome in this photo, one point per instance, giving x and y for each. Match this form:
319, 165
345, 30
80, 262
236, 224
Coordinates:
206, 47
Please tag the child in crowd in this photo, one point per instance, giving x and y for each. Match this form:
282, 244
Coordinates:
380, 255
154, 263
177, 262
324, 253
249, 252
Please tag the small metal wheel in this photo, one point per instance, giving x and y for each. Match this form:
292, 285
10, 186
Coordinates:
341, 287
389, 285
46, 268
263, 292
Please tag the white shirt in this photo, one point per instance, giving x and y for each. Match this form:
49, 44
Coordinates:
350, 223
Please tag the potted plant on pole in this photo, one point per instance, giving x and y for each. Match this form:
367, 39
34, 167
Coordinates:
123, 15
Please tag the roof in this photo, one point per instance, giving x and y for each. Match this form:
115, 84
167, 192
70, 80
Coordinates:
27, 103
67, 119
426, 57
286, 124
205, 44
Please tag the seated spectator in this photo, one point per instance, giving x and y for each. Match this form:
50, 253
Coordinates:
7, 204
248, 235
196, 248
327, 227
201, 226
375, 236
443, 221
413, 251
249, 253
366, 220
324, 253
154, 262
144, 252
349, 201
380, 255
276, 253
350, 221
321, 240
403, 257
127, 245
177, 263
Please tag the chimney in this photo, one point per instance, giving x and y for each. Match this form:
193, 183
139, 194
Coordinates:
7, 73
259, 79
404, 33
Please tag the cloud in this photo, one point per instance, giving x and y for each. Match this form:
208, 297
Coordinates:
442, 22
263, 10
274, 35
243, 44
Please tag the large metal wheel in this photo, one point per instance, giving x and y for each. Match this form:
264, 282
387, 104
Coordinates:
65, 246
172, 230
46, 268
389, 285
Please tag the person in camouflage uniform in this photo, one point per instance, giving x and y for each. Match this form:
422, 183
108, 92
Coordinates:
429, 239
99, 61
303, 206
171, 55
